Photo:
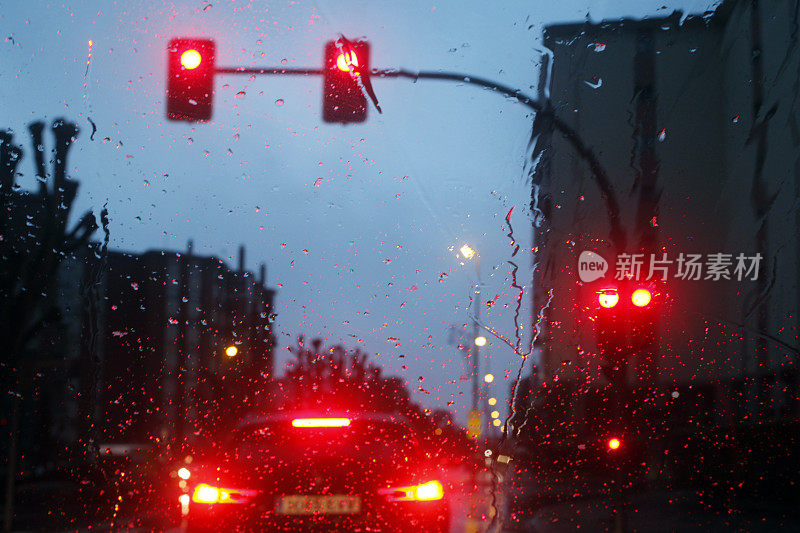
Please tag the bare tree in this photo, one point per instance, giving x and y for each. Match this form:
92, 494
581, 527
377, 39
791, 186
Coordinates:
34, 240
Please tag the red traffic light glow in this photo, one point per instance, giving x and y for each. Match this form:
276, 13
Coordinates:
191, 59
641, 297
190, 79
614, 443
345, 81
608, 298
346, 61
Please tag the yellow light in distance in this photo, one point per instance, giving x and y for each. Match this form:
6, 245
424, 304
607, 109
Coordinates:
467, 252
231, 351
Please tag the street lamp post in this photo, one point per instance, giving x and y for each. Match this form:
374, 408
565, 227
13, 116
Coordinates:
469, 253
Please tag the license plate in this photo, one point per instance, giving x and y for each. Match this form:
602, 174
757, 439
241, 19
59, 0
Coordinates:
310, 505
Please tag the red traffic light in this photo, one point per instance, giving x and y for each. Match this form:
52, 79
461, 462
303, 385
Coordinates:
625, 317
641, 297
608, 298
190, 79
347, 61
191, 59
345, 72
613, 444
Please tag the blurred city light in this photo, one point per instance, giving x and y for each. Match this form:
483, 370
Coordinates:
467, 252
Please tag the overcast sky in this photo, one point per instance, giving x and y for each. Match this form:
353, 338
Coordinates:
359, 225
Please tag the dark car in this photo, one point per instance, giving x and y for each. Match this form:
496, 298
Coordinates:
307, 472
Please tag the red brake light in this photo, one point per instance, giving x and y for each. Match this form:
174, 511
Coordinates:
608, 298
205, 494
320, 422
424, 492
208, 494
641, 297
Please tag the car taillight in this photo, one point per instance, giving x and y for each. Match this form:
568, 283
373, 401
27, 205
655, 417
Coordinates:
424, 492
320, 422
208, 494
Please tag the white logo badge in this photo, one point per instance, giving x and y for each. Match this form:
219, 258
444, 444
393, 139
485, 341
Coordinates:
591, 266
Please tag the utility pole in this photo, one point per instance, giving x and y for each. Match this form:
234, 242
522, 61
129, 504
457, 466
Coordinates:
475, 347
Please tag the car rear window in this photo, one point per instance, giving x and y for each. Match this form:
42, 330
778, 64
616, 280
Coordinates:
360, 437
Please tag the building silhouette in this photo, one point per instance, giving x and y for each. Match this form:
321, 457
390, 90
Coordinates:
147, 336
695, 122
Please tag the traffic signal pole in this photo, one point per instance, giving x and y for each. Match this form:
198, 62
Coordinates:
271, 71
474, 347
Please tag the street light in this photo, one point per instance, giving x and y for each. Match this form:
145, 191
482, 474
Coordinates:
467, 252
488, 378
480, 341
231, 351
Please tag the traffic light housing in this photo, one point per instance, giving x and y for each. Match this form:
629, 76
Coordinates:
190, 79
345, 72
625, 316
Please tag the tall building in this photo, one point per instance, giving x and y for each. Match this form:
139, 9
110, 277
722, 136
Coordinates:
149, 339
694, 122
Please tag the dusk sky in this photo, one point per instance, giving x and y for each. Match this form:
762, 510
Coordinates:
359, 226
